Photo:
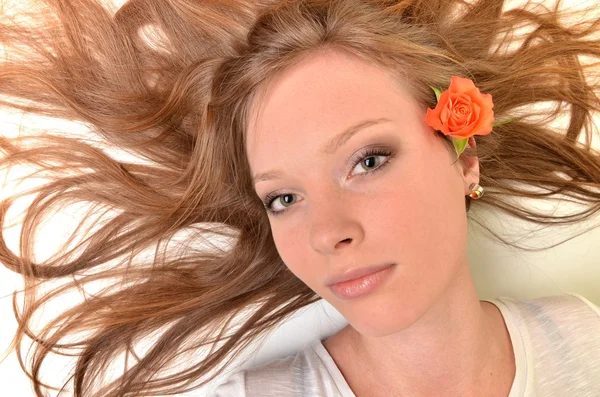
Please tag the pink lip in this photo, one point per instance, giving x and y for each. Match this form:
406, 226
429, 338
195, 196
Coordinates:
361, 286
356, 273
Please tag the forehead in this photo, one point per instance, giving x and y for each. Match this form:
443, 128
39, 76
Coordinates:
317, 98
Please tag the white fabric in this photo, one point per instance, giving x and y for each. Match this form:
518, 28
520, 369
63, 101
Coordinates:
556, 340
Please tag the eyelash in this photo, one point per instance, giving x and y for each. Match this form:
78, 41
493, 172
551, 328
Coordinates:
369, 152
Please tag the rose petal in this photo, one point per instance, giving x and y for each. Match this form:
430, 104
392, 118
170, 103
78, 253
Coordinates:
452, 125
476, 110
463, 132
484, 126
433, 116
461, 113
446, 111
460, 84
432, 119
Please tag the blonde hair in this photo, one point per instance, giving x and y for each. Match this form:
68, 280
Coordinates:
182, 105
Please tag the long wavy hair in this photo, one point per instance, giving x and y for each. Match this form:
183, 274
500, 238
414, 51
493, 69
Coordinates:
172, 82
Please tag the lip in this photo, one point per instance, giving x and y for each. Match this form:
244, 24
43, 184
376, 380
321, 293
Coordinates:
361, 286
353, 274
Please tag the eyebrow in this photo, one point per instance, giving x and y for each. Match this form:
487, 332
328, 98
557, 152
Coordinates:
331, 147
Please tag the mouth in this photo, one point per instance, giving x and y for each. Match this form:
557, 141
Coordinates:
356, 273
361, 286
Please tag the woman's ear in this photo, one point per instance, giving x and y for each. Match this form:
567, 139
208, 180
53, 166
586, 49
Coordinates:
470, 172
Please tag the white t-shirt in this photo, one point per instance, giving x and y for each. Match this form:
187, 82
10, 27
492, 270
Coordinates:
556, 340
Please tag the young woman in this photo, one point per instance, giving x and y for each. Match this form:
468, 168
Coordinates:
339, 145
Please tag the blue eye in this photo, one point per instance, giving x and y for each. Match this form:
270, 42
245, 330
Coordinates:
366, 154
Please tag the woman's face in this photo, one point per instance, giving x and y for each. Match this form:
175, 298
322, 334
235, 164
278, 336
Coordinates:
404, 206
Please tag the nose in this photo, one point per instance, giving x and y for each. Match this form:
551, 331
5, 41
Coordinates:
334, 224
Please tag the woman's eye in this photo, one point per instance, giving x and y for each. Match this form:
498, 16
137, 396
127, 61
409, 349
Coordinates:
286, 198
367, 160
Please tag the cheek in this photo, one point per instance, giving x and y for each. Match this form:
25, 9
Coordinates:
292, 249
429, 218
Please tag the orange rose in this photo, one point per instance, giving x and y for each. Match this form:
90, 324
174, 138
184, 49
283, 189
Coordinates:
462, 110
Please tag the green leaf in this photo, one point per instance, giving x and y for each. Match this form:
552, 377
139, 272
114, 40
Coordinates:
437, 91
505, 121
460, 144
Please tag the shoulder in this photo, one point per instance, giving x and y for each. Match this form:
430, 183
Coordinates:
301, 374
569, 311
591, 308
234, 386
555, 328
565, 345
559, 329
276, 378
557, 344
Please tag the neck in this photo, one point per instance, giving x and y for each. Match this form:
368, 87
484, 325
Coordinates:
460, 345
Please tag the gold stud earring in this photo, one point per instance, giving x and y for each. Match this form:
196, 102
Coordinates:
477, 191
